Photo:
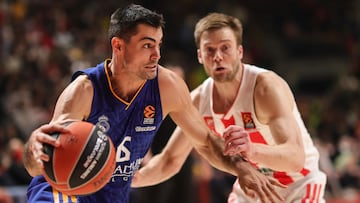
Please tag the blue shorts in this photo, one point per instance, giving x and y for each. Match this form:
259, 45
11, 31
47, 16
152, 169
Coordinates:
40, 191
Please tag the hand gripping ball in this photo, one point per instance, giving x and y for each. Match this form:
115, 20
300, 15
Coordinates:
83, 163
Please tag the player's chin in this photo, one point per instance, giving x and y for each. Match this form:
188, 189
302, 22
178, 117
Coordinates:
150, 75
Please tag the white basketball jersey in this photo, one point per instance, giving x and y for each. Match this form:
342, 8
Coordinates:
242, 113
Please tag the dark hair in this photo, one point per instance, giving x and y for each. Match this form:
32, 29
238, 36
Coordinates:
214, 21
124, 21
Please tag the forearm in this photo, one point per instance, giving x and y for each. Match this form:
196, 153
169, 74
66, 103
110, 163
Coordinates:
213, 153
157, 170
166, 164
279, 157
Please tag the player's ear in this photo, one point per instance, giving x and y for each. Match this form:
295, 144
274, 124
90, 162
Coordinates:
199, 56
241, 51
117, 44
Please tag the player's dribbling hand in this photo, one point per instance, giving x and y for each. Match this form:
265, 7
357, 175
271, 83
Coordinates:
237, 142
257, 185
40, 136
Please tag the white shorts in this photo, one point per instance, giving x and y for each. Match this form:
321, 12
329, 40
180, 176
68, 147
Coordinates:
309, 189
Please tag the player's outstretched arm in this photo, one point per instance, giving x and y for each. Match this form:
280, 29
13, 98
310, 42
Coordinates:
166, 164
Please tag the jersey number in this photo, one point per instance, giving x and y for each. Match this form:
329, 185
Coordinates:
123, 153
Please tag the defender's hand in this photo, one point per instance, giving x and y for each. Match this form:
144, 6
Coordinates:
237, 142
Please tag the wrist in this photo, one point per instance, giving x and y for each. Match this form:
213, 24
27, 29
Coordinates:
241, 164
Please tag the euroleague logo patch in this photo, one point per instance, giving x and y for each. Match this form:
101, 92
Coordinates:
248, 121
149, 114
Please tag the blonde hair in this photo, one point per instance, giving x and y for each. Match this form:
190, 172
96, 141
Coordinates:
214, 21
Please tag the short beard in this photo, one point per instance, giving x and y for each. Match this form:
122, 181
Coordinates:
227, 77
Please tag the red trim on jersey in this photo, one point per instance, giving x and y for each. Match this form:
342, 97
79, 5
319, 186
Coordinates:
228, 122
304, 171
256, 137
307, 195
283, 178
318, 193
313, 192
211, 125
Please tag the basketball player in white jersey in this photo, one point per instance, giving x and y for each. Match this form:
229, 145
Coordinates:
254, 110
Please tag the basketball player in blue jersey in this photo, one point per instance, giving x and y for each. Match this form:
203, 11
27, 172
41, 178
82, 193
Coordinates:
128, 96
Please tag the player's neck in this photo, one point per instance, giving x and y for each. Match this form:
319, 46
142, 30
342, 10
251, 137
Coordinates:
225, 93
229, 89
124, 85
224, 96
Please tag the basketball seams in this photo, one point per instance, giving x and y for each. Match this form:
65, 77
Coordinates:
102, 173
85, 145
66, 159
49, 150
74, 138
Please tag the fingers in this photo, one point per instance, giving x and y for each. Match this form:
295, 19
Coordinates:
41, 136
232, 129
261, 187
269, 193
273, 192
250, 193
232, 149
262, 192
236, 143
265, 193
275, 182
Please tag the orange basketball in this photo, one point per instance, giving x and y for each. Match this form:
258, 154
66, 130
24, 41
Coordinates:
83, 163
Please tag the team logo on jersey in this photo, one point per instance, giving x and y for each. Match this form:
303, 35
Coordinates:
149, 114
248, 121
211, 124
103, 123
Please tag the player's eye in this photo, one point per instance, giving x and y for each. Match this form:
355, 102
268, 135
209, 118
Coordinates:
225, 48
209, 51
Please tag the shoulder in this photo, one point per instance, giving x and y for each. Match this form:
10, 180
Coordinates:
173, 90
75, 101
271, 90
167, 76
269, 79
82, 82
79, 89
169, 80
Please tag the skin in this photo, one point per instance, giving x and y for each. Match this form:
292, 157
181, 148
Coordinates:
222, 61
132, 63
221, 57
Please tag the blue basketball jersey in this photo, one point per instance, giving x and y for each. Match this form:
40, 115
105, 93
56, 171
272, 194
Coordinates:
130, 125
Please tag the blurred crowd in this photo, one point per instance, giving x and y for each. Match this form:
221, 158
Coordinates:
314, 44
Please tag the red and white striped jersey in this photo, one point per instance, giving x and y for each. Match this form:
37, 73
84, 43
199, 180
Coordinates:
242, 113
